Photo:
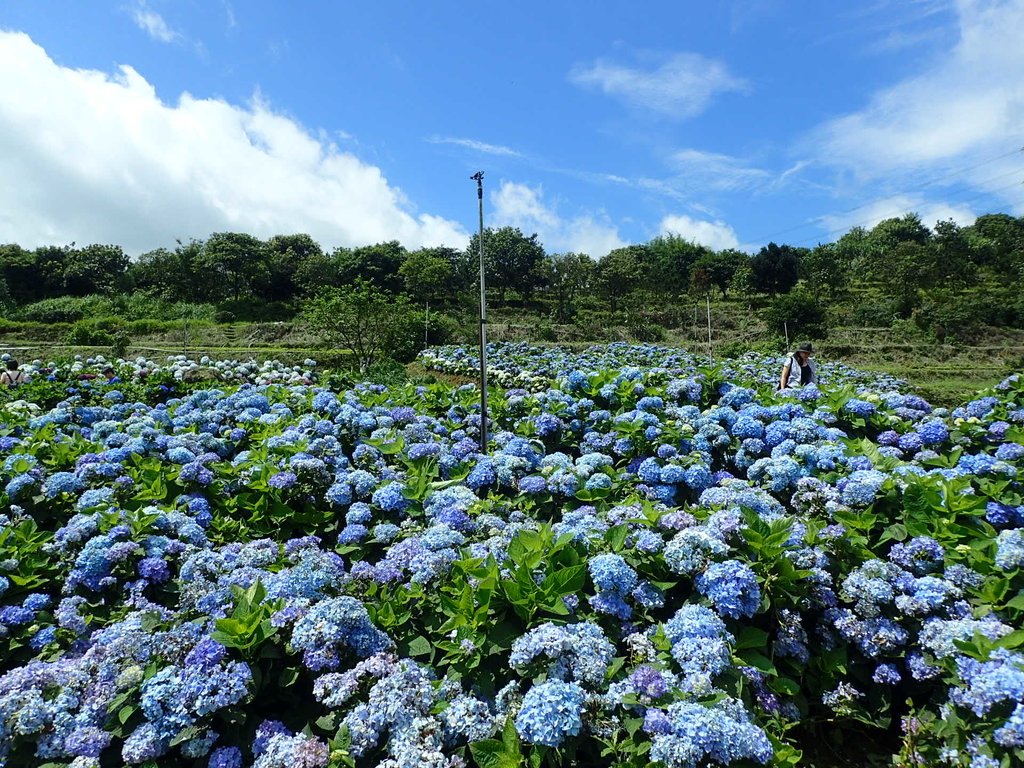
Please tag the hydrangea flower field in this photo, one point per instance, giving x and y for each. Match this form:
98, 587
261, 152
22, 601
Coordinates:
658, 561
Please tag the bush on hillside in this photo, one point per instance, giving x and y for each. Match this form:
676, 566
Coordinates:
65, 309
372, 324
798, 313
87, 334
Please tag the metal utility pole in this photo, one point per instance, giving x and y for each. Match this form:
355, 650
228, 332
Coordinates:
711, 358
478, 177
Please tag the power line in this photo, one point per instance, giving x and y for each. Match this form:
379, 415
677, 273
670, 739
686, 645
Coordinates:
986, 193
818, 219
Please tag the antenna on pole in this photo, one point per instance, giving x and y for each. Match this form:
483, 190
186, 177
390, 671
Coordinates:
478, 177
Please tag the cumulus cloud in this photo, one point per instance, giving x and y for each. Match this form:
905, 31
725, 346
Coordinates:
523, 206
153, 24
680, 87
716, 235
869, 215
89, 156
949, 120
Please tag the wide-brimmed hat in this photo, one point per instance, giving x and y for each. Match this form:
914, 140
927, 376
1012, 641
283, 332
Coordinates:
806, 347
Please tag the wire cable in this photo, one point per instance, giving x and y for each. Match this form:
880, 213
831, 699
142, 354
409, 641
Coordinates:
958, 172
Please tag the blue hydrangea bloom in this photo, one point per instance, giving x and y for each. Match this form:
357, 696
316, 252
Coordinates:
732, 587
551, 712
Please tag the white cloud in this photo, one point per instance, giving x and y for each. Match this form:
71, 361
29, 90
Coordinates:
153, 24
702, 171
478, 146
88, 156
519, 205
716, 235
681, 86
947, 122
869, 215
229, 12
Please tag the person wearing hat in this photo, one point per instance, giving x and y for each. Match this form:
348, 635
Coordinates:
799, 368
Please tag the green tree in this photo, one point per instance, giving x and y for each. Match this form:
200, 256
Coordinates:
6, 302
378, 264
998, 244
720, 267
798, 313
512, 260
50, 261
825, 270
428, 274
316, 273
153, 273
233, 264
668, 260
22, 273
286, 254
901, 275
620, 273
567, 275
362, 318
951, 257
888, 235
857, 250
742, 282
94, 269
776, 268
908, 228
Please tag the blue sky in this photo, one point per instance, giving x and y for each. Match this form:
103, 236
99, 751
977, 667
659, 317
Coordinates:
140, 122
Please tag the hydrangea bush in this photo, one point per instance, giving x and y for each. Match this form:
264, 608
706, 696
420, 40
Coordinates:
656, 561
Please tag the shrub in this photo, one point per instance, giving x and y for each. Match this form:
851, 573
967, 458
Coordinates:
642, 329
731, 349
65, 309
874, 312
255, 310
148, 327
364, 319
440, 328
119, 343
86, 334
949, 315
798, 312
545, 331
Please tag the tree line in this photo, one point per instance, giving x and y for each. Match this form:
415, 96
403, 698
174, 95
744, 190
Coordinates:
909, 268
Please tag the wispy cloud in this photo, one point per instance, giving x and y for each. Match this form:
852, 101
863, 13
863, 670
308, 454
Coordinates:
699, 170
153, 24
898, 40
794, 169
523, 206
893, 26
681, 86
476, 146
952, 126
229, 11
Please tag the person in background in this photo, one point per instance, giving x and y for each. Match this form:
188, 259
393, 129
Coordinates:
799, 369
13, 376
111, 374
